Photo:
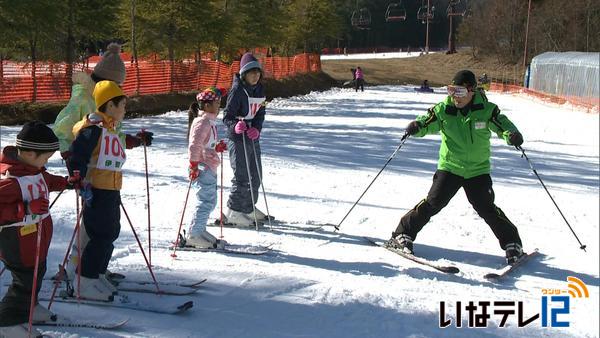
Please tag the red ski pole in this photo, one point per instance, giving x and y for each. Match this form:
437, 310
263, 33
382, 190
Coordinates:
221, 221
174, 254
141, 248
64, 262
148, 201
35, 274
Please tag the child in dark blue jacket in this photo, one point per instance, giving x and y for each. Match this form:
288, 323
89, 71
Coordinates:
244, 116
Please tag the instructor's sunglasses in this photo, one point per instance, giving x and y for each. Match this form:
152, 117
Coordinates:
457, 91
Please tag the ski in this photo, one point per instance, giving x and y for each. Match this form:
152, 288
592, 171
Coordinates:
150, 287
127, 302
278, 224
191, 285
232, 249
508, 269
227, 248
420, 260
87, 323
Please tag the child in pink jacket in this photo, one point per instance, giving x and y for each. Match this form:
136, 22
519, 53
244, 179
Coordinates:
203, 152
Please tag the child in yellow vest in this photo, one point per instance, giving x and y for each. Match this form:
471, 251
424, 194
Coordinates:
99, 155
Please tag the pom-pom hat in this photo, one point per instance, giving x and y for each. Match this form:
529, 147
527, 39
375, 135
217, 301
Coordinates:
111, 67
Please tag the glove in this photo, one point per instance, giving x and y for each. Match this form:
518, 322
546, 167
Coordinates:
515, 139
413, 128
240, 127
221, 146
253, 133
74, 181
38, 206
65, 155
193, 171
145, 137
132, 141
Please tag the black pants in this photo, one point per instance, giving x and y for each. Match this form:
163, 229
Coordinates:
479, 193
359, 83
240, 198
14, 308
102, 221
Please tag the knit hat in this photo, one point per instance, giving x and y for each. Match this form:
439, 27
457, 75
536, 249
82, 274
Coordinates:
464, 78
111, 67
105, 91
248, 62
211, 94
35, 135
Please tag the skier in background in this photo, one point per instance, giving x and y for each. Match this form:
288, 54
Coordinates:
464, 161
359, 80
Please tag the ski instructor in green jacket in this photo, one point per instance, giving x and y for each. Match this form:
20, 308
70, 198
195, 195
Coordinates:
466, 121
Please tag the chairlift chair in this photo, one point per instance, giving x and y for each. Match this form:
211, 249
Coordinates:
423, 14
361, 19
395, 12
456, 8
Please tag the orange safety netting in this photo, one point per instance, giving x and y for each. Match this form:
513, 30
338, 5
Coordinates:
590, 104
52, 81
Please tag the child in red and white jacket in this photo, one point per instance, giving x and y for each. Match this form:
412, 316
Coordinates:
203, 152
24, 210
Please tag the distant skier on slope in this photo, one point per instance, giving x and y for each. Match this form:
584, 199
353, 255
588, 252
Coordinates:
464, 161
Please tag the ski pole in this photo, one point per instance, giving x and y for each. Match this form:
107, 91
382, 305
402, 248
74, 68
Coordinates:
262, 185
35, 274
141, 248
249, 177
64, 262
581, 245
402, 140
221, 199
56, 198
174, 254
148, 201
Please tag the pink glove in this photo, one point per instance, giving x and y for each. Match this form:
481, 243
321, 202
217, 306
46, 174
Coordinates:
253, 133
241, 127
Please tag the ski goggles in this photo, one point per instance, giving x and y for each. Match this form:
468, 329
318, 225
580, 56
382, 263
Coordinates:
457, 91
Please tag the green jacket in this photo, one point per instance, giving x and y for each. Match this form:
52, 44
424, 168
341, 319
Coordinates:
81, 103
465, 150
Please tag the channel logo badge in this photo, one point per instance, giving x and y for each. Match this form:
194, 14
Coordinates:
576, 288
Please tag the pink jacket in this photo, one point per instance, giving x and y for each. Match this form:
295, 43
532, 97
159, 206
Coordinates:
202, 141
359, 74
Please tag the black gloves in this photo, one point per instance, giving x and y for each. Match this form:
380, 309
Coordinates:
413, 128
146, 137
515, 139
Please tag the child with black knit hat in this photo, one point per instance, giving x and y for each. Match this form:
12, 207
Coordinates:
24, 211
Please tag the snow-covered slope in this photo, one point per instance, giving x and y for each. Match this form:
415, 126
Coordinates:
320, 151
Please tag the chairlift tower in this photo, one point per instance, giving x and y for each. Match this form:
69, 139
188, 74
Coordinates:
455, 8
425, 14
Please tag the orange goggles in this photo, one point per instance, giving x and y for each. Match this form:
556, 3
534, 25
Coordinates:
457, 91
